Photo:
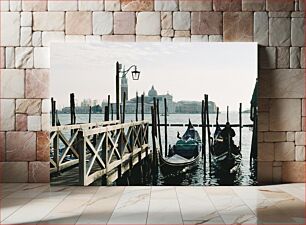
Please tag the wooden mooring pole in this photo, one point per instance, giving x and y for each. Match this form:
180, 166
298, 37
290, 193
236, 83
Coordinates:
166, 127
240, 125
158, 126
123, 107
136, 114
117, 91
52, 112
72, 112
208, 131
203, 120
72, 109
89, 117
108, 103
142, 107
112, 111
153, 115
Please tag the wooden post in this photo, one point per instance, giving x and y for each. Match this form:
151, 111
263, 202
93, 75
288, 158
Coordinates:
158, 126
105, 158
153, 135
136, 107
108, 103
123, 107
56, 119
117, 91
217, 116
166, 127
240, 125
81, 148
112, 111
142, 107
203, 118
227, 114
52, 112
72, 109
208, 130
106, 114
56, 155
89, 119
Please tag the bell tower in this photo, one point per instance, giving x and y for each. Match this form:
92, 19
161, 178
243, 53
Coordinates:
124, 88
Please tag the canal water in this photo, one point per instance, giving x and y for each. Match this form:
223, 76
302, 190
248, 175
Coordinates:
196, 176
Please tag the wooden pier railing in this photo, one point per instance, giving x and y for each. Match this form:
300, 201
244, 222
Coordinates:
107, 149
63, 142
118, 148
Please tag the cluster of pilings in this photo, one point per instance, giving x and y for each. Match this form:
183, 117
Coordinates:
205, 131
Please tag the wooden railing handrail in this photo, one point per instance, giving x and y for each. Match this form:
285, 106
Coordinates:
83, 125
99, 130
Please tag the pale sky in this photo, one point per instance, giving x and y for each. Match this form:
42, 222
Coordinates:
225, 71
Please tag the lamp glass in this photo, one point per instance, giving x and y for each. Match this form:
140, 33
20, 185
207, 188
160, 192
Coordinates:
135, 75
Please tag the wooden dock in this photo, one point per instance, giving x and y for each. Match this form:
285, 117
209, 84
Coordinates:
104, 150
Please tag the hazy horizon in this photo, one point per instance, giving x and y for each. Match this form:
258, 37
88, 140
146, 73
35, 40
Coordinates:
225, 71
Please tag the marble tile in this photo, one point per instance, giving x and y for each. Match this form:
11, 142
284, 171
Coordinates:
2, 146
37, 83
281, 83
285, 114
49, 21
209, 219
164, 212
137, 5
164, 206
227, 5
43, 146
200, 5
206, 23
124, 22
10, 26
29, 191
21, 146
78, 23
294, 172
8, 206
14, 172
238, 26
100, 208
33, 5
195, 204
12, 83
39, 172
132, 207
26, 214
7, 114
296, 190
29, 106
21, 122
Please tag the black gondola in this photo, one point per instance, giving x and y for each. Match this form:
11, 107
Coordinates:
184, 155
225, 154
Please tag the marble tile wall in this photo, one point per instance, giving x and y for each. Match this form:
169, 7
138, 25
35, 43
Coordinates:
28, 27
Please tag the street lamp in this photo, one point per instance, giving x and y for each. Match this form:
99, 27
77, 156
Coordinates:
135, 76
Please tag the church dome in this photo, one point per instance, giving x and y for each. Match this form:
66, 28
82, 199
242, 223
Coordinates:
152, 92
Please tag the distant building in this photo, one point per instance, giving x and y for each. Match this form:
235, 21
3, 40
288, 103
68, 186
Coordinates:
194, 107
148, 102
124, 88
184, 107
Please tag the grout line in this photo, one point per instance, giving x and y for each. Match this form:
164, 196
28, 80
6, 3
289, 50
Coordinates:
177, 198
107, 222
150, 195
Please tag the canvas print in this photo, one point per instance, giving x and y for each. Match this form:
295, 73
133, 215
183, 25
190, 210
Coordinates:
153, 114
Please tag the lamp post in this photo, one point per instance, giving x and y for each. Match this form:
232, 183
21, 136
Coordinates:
135, 76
